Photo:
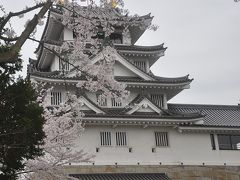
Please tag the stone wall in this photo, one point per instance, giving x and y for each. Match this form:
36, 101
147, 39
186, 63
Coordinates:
174, 172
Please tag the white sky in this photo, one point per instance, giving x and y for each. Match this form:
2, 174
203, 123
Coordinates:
203, 40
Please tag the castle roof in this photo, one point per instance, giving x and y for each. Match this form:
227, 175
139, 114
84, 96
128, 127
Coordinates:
151, 53
57, 75
215, 115
122, 176
135, 31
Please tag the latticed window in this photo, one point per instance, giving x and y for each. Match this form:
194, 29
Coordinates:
116, 103
158, 99
140, 64
64, 65
161, 139
56, 98
105, 138
121, 138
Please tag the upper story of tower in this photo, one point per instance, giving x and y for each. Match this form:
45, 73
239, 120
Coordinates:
132, 62
123, 39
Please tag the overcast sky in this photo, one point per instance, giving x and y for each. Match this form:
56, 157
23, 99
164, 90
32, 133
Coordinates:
203, 40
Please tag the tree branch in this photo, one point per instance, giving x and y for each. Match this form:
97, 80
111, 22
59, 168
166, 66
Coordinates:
11, 56
10, 15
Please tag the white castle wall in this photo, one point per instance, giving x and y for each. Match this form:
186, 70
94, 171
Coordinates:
189, 149
120, 70
67, 34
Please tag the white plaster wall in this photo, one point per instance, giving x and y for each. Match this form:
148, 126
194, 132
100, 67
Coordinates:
189, 149
55, 64
67, 35
120, 70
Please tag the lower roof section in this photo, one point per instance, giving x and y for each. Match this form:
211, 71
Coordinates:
122, 176
214, 115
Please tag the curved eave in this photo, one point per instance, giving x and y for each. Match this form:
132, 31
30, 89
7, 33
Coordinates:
140, 49
155, 84
38, 50
136, 31
142, 84
52, 32
173, 79
152, 53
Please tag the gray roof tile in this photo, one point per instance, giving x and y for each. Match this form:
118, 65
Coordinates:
122, 176
215, 115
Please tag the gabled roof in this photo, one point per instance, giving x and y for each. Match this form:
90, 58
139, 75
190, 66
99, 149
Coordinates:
157, 116
143, 102
126, 64
215, 115
91, 105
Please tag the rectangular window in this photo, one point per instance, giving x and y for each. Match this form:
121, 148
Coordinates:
161, 139
56, 98
158, 99
229, 142
116, 103
121, 138
116, 38
64, 65
105, 138
102, 101
213, 142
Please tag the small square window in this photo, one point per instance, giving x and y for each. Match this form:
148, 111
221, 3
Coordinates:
105, 138
121, 138
161, 139
56, 98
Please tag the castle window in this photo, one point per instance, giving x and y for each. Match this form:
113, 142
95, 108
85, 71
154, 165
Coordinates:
229, 142
56, 98
116, 103
116, 38
63, 65
121, 138
161, 139
158, 99
102, 101
140, 64
105, 138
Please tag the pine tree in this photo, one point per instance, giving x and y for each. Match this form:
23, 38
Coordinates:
21, 121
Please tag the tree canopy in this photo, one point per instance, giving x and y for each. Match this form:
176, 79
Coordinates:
21, 121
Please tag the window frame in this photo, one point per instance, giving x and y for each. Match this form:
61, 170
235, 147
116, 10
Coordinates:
230, 143
121, 141
103, 137
158, 139
59, 99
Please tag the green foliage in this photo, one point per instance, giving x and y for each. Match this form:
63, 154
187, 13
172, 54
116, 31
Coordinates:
21, 121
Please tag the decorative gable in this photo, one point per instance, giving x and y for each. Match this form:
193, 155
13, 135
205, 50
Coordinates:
145, 105
120, 70
123, 66
88, 105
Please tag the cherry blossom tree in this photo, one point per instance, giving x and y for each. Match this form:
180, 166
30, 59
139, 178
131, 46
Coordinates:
92, 25
63, 125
